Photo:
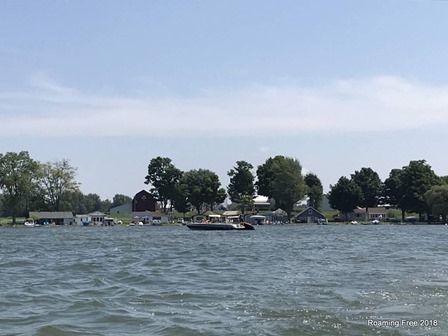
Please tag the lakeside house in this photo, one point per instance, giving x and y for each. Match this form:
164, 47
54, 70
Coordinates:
360, 214
57, 217
310, 215
262, 203
82, 219
121, 209
93, 218
149, 217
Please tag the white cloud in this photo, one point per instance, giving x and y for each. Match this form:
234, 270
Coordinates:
368, 105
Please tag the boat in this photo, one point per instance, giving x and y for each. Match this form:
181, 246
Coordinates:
29, 224
220, 226
258, 219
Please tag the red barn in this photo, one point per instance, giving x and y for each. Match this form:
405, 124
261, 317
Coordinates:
143, 201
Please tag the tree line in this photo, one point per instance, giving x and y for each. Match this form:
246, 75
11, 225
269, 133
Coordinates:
279, 178
29, 185
414, 188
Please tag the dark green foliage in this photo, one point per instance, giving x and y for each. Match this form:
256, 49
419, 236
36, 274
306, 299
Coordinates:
180, 200
281, 178
444, 179
437, 200
406, 187
19, 174
345, 195
393, 188
203, 188
163, 177
315, 190
241, 188
371, 187
120, 199
57, 182
417, 179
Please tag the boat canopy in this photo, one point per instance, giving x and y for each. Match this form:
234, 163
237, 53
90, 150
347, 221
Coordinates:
258, 216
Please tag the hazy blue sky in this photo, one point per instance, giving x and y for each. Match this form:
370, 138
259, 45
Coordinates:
339, 85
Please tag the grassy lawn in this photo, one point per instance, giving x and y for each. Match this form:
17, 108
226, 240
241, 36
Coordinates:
7, 221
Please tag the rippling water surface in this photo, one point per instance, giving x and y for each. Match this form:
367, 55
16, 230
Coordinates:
276, 280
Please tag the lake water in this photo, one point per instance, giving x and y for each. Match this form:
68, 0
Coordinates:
276, 280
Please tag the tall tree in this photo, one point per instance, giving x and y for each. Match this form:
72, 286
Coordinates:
163, 176
394, 189
371, 187
406, 187
180, 200
344, 195
105, 205
57, 182
18, 176
241, 186
437, 200
417, 179
203, 188
281, 178
315, 191
92, 202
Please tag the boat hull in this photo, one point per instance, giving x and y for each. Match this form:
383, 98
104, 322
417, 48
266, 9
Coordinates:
219, 226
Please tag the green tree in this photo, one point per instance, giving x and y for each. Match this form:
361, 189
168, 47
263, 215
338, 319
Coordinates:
180, 200
18, 176
120, 199
77, 201
344, 195
393, 188
246, 202
315, 191
416, 179
444, 179
163, 177
105, 205
241, 186
203, 188
92, 202
281, 178
57, 182
371, 187
437, 200
80, 203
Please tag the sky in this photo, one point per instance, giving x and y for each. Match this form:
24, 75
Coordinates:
338, 85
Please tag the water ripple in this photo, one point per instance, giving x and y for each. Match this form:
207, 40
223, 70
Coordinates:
276, 280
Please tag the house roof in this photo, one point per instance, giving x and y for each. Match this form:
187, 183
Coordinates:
230, 213
280, 212
378, 210
97, 213
306, 210
261, 199
51, 215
